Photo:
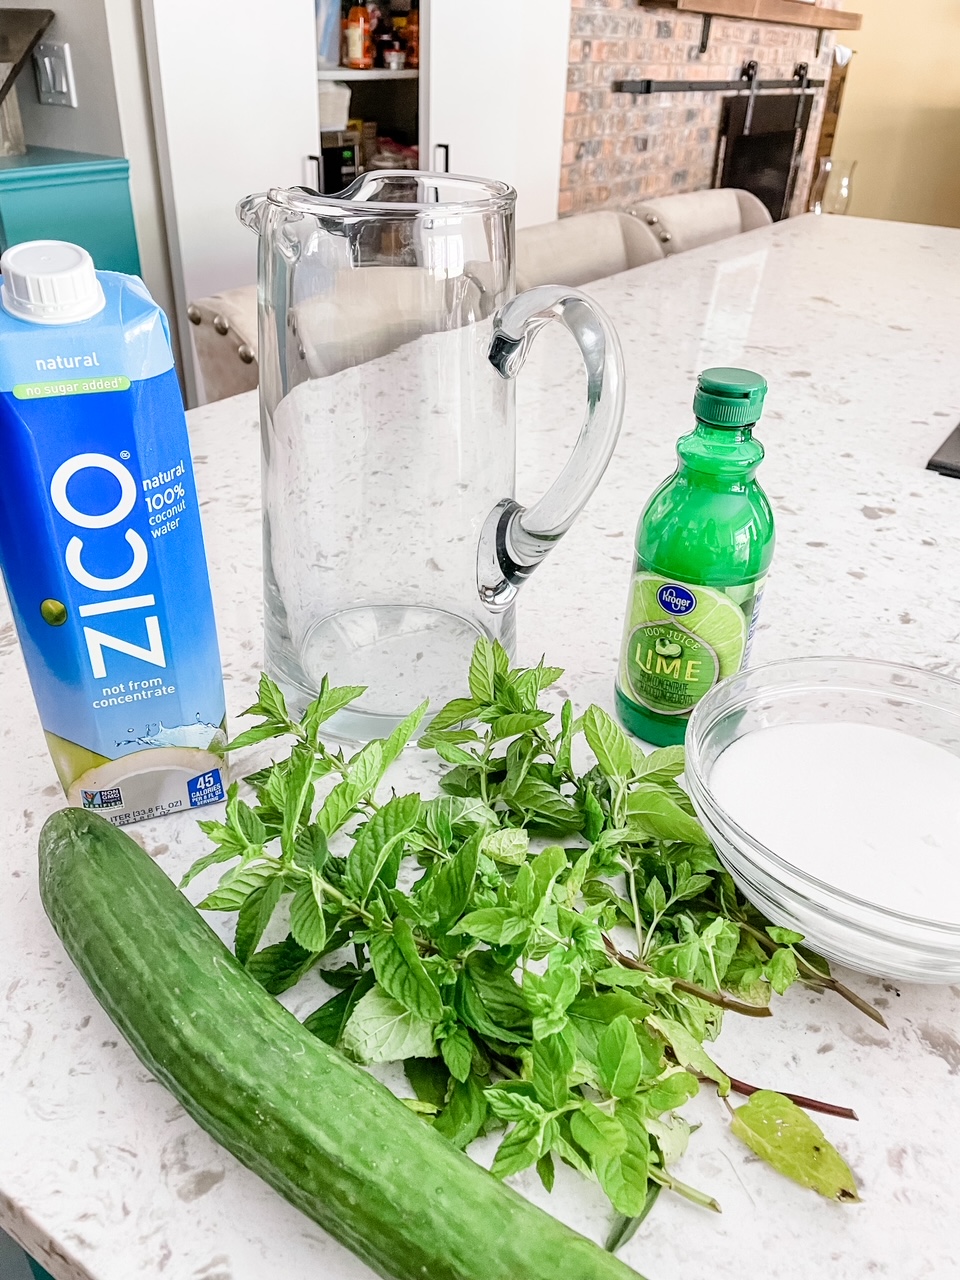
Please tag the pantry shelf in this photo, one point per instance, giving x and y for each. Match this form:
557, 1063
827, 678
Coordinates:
375, 73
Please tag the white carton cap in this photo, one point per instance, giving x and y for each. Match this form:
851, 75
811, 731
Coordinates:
50, 282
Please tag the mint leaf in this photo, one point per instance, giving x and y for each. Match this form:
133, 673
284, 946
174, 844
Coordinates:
786, 937
652, 813
661, 765
499, 926
385, 831
457, 1051
517, 722
254, 916
465, 1114
327, 1022
597, 1132
615, 753
509, 845
363, 774
449, 888
380, 1029
482, 671
281, 965
623, 1175
689, 1051
519, 1149
620, 1061
781, 970
546, 806
327, 704
237, 885
400, 972
490, 1002
402, 734
307, 924
553, 1062
775, 1129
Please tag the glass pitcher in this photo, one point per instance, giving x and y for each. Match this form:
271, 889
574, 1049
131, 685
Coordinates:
389, 340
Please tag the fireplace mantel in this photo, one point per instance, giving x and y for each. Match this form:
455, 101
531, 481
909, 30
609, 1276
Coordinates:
787, 12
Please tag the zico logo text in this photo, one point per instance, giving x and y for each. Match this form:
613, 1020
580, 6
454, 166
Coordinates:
137, 558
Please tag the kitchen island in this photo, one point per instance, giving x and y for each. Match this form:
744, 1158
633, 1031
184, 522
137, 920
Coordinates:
854, 324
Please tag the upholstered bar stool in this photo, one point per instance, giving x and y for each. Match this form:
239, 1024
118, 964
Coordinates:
700, 217
586, 247
225, 339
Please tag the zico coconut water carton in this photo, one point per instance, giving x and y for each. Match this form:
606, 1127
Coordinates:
100, 538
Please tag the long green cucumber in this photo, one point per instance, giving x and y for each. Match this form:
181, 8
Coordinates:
322, 1132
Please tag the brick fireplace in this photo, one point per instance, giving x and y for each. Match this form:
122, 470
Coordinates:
617, 150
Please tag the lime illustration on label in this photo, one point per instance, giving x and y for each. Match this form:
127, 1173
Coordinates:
679, 640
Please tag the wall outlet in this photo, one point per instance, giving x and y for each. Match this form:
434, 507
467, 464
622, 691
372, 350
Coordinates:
54, 71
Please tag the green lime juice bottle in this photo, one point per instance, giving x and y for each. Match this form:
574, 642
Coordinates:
704, 545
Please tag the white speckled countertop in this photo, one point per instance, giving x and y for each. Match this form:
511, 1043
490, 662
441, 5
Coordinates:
855, 324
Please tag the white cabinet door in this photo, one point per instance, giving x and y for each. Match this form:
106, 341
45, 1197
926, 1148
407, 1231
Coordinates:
492, 96
234, 91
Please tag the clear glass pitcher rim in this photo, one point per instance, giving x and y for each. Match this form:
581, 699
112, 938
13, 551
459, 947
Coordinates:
496, 195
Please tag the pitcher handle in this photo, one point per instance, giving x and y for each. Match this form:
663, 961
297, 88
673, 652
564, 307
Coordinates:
515, 539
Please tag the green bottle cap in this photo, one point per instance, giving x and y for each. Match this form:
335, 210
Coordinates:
729, 397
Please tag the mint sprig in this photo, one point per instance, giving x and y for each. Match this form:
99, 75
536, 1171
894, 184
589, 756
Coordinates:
547, 951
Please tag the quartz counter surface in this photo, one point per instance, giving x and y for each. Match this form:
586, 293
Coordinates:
855, 324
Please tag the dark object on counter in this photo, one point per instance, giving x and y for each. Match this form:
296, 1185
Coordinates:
20, 29
946, 460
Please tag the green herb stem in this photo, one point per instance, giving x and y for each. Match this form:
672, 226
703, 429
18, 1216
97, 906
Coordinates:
808, 1104
690, 988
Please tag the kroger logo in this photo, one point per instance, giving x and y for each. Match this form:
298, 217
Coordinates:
676, 600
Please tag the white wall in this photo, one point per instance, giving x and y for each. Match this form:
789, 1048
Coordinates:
94, 125
496, 80
234, 92
132, 90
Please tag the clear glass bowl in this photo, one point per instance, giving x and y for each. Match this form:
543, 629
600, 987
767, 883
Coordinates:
841, 926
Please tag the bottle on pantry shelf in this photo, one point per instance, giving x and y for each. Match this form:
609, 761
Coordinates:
411, 35
359, 38
100, 539
703, 548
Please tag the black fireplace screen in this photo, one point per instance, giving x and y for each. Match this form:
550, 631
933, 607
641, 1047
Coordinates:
761, 141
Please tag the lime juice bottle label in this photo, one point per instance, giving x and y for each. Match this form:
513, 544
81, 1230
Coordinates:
680, 639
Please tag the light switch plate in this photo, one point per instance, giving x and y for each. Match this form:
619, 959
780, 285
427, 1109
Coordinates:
54, 71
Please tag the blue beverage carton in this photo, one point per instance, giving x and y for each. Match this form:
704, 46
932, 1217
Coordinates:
100, 539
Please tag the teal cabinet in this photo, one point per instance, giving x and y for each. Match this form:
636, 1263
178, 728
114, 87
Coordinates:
50, 194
